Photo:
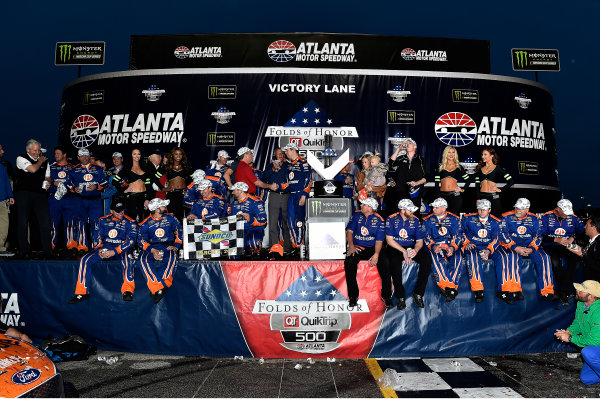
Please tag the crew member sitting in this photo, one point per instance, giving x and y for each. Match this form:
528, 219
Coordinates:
442, 237
160, 237
113, 237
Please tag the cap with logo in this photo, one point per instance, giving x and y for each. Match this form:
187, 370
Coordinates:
589, 286
198, 174
82, 152
204, 184
117, 206
244, 150
522, 203
372, 202
290, 146
157, 203
117, 154
439, 202
566, 206
484, 204
223, 154
239, 186
407, 205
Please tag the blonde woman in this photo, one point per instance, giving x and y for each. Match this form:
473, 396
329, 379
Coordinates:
446, 180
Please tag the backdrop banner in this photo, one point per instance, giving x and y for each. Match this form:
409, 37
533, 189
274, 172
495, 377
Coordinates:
309, 50
276, 309
207, 110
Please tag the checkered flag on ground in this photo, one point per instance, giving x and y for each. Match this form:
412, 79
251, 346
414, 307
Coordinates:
214, 238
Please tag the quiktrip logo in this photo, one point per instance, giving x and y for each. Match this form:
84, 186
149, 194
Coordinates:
223, 115
299, 309
285, 51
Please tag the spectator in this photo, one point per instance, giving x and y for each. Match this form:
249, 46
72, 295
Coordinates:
6, 200
210, 205
277, 172
365, 235
31, 197
404, 236
160, 236
365, 163
156, 170
409, 174
585, 330
443, 237
253, 211
178, 174
113, 238
559, 228
591, 252
375, 178
244, 172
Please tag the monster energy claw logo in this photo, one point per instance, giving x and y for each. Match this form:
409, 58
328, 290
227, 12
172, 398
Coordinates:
212, 138
457, 95
214, 90
317, 207
65, 52
521, 58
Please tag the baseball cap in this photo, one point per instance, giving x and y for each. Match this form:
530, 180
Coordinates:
198, 174
372, 202
82, 152
566, 206
157, 203
439, 202
407, 204
522, 203
589, 286
484, 204
223, 154
290, 146
204, 184
239, 186
117, 154
244, 150
117, 206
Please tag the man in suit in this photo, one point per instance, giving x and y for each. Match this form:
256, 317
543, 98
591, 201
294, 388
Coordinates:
591, 252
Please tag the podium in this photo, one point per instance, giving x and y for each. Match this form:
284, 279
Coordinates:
326, 220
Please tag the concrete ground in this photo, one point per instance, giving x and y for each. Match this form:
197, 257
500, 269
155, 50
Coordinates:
136, 375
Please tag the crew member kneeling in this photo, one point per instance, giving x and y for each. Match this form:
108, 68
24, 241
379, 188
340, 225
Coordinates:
113, 236
253, 211
365, 234
404, 237
160, 239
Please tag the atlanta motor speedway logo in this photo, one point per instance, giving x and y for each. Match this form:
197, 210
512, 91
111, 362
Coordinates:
285, 51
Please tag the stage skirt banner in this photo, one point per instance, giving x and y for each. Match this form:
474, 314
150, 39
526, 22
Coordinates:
276, 309
213, 238
208, 110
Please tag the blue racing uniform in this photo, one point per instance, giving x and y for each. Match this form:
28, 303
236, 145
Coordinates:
63, 208
299, 184
484, 234
254, 230
523, 232
159, 234
87, 203
213, 207
109, 234
215, 173
446, 232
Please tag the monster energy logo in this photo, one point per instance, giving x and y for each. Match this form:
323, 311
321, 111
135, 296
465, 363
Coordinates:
457, 95
522, 166
86, 98
521, 57
212, 138
222, 91
528, 168
317, 207
401, 117
65, 52
220, 139
214, 90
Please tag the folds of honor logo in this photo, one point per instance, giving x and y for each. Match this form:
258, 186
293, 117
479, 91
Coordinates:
298, 309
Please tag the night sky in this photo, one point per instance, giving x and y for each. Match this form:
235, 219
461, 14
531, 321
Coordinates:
32, 85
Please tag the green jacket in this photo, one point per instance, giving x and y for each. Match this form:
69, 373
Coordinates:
585, 330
